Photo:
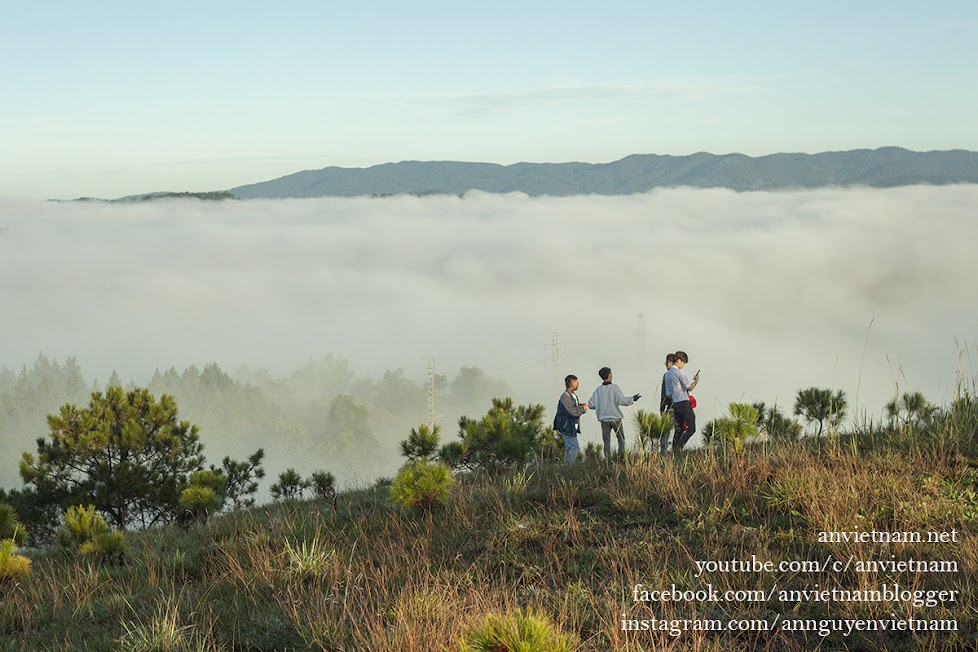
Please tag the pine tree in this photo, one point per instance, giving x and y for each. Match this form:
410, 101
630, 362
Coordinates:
821, 405
126, 454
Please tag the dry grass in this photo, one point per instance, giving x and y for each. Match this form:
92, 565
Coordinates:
567, 543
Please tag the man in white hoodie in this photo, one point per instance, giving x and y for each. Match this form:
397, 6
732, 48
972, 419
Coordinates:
607, 401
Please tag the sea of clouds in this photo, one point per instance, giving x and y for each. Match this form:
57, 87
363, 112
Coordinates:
866, 290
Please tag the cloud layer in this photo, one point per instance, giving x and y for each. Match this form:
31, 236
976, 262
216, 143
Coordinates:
768, 292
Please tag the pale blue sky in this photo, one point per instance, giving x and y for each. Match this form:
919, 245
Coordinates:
113, 98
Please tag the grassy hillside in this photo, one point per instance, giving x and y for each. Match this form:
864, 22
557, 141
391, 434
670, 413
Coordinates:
570, 543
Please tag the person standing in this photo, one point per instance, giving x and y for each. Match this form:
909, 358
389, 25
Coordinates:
568, 419
677, 389
665, 402
607, 401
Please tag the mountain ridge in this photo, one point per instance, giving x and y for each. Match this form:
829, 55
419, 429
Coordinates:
636, 173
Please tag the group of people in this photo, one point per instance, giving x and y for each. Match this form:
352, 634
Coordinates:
608, 399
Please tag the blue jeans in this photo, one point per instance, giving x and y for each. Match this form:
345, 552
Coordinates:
571, 448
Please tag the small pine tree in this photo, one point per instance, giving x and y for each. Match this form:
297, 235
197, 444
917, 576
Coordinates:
10, 526
738, 426
910, 411
80, 525
652, 429
817, 405
86, 532
243, 478
779, 427
422, 484
107, 547
290, 486
507, 435
323, 484
200, 501
592, 452
13, 567
422, 443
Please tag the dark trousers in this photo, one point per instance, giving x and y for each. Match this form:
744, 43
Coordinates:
612, 426
685, 424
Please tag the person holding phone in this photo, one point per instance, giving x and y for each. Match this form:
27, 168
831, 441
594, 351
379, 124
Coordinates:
678, 388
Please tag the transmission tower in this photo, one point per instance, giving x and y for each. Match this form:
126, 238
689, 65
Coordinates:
432, 393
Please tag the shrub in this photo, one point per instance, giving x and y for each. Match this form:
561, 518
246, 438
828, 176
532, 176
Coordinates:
508, 435
817, 405
652, 427
10, 527
81, 524
109, 547
242, 479
592, 452
87, 533
910, 411
780, 427
709, 432
739, 426
199, 500
290, 486
323, 484
525, 632
13, 567
961, 420
422, 484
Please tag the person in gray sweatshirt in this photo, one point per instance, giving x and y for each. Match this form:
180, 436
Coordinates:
607, 401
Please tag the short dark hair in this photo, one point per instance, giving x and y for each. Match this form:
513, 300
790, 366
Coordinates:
604, 372
671, 358
681, 355
570, 378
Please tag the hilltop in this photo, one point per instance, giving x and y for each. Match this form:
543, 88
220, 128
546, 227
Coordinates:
884, 167
571, 543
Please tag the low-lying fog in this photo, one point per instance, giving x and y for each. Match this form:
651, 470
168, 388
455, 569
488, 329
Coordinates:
857, 289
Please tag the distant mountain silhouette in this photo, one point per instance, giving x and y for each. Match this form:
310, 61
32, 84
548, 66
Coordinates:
884, 167
217, 195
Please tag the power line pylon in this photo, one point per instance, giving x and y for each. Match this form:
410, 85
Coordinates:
432, 392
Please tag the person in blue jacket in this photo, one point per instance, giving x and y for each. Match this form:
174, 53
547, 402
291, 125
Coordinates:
568, 419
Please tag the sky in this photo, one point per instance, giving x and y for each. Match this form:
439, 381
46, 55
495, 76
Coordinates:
768, 292
115, 98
